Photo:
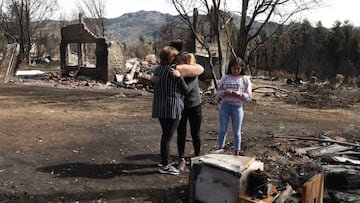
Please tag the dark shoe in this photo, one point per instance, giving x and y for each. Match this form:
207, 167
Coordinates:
238, 153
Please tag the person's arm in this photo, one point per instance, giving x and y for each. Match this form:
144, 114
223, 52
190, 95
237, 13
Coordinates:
221, 91
186, 86
192, 83
247, 94
154, 79
190, 70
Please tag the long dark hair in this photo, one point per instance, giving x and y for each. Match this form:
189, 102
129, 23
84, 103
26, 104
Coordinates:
234, 62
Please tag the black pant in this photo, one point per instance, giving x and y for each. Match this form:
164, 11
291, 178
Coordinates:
194, 114
168, 127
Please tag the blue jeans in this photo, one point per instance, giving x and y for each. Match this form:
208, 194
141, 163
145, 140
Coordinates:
236, 113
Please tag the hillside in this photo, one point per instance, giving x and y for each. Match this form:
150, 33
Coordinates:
130, 26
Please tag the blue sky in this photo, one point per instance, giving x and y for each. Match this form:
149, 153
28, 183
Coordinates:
337, 10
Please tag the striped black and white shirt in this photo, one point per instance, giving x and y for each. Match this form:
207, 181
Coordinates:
168, 97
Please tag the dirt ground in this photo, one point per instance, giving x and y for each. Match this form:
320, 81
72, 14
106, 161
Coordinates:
97, 143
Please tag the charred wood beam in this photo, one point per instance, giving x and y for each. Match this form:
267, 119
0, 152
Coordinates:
273, 90
317, 139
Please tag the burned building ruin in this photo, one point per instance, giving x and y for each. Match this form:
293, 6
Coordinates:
83, 54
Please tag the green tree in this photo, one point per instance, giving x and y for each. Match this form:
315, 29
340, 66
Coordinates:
255, 11
321, 38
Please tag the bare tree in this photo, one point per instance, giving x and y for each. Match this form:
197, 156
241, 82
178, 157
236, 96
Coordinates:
173, 30
264, 11
203, 36
21, 18
94, 11
254, 16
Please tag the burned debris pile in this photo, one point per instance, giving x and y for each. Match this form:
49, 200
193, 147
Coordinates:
323, 96
135, 73
337, 160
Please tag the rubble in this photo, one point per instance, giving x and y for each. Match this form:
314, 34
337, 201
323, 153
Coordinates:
339, 161
135, 73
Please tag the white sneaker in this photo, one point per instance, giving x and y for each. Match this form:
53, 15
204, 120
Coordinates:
160, 164
219, 151
169, 169
182, 164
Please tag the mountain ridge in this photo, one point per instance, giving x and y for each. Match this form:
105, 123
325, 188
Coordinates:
129, 27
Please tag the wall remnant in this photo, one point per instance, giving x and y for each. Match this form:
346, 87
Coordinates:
83, 54
8, 62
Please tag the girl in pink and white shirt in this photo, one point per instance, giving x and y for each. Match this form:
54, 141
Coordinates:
234, 89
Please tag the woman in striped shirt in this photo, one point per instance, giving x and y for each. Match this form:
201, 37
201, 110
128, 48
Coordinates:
168, 101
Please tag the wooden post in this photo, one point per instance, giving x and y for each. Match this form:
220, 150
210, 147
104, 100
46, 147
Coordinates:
313, 190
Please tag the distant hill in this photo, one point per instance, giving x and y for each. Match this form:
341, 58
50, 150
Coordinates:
130, 26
